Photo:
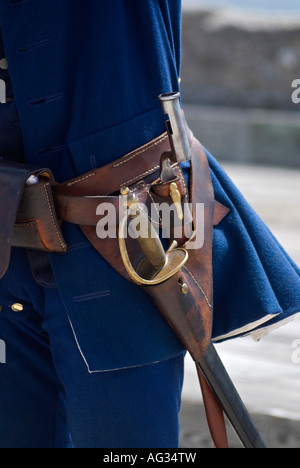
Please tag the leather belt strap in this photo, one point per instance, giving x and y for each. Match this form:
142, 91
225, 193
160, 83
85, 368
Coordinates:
131, 168
76, 200
83, 210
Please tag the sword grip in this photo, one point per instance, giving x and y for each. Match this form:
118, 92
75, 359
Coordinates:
149, 241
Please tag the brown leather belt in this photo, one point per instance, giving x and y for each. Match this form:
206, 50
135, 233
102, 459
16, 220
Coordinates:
76, 201
30, 217
127, 170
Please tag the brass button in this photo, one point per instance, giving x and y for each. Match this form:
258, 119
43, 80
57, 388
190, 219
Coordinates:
3, 64
184, 288
17, 307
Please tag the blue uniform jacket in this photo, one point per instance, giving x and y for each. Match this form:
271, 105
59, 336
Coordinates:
86, 75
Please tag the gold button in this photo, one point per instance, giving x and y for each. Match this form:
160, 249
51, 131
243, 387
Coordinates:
17, 307
184, 288
3, 64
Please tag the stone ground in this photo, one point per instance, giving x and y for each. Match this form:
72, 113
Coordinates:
265, 373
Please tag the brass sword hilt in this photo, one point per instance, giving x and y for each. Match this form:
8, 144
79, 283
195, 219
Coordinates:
157, 265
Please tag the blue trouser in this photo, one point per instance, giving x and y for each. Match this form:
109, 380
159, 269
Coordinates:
48, 397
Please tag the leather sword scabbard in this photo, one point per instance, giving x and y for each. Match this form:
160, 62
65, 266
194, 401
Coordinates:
186, 299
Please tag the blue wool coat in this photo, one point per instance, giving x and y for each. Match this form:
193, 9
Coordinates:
86, 75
